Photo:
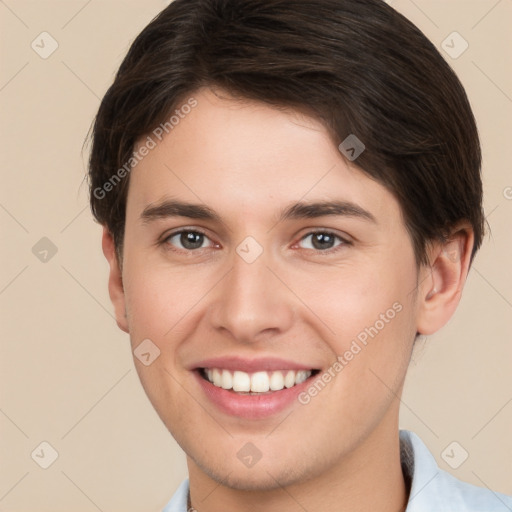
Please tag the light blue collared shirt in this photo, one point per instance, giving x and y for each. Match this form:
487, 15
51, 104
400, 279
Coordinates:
432, 489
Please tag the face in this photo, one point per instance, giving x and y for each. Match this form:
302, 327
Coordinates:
256, 255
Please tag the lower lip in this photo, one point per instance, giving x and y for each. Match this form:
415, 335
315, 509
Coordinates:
252, 406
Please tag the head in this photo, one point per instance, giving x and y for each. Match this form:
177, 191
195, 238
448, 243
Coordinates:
237, 224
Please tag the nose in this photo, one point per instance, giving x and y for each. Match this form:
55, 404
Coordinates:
251, 302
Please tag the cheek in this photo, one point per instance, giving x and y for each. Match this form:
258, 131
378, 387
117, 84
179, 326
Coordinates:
370, 316
159, 298
352, 300
161, 306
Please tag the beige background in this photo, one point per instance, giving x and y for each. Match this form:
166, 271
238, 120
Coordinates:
66, 374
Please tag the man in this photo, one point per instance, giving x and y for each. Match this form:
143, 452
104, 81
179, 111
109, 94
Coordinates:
290, 193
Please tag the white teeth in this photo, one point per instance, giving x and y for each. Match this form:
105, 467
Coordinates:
276, 381
217, 377
227, 379
241, 381
302, 375
258, 382
289, 380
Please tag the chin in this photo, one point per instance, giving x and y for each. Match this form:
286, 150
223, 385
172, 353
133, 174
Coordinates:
260, 477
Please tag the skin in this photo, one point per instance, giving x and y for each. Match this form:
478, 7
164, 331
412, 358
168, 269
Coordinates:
248, 161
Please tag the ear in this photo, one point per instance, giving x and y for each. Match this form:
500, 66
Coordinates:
115, 280
441, 282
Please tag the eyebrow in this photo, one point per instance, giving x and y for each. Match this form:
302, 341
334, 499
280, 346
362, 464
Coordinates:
303, 210
300, 210
173, 208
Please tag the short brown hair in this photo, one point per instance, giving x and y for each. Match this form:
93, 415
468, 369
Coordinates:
358, 66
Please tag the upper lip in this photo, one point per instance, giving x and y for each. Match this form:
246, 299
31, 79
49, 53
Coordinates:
251, 365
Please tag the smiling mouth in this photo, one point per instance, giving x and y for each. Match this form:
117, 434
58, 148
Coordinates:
256, 383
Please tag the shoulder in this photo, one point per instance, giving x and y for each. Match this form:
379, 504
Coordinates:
435, 489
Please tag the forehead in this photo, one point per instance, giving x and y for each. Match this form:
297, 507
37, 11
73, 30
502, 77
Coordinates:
247, 158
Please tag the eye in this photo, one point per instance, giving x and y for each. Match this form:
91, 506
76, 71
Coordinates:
188, 240
321, 241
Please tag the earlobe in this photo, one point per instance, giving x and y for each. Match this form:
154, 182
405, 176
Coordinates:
442, 282
115, 280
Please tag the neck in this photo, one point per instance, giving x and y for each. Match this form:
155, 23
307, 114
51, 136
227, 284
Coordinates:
368, 478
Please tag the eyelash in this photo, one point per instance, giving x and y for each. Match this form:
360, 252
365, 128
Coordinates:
343, 241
